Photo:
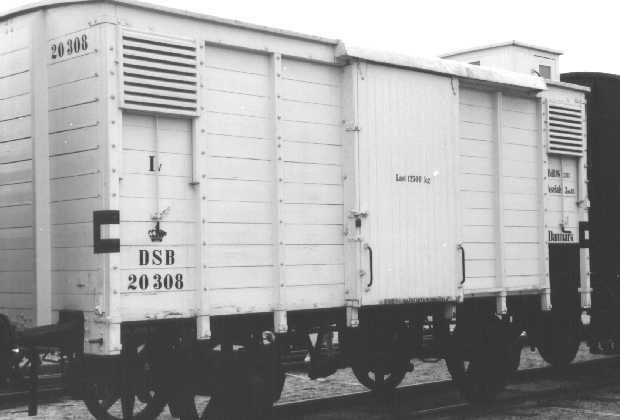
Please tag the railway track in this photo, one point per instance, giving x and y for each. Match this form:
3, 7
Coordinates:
441, 398
50, 389
430, 399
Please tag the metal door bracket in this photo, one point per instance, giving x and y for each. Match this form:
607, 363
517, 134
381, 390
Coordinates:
354, 214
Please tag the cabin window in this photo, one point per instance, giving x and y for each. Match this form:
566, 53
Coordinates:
544, 71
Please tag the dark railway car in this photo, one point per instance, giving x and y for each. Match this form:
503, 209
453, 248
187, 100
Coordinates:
603, 113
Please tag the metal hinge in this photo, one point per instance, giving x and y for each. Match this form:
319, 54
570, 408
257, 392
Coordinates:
354, 213
584, 203
362, 69
357, 216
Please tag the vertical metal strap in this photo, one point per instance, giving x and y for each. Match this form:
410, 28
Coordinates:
543, 180
157, 165
584, 236
279, 279
199, 174
41, 171
203, 322
499, 168
562, 205
351, 191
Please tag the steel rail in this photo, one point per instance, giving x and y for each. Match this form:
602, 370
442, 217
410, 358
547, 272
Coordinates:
446, 395
51, 390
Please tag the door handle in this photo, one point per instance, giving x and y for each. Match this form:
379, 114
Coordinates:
366, 246
460, 247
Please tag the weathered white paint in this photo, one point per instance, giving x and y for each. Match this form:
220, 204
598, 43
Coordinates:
519, 157
514, 56
277, 174
406, 122
19, 271
107, 313
500, 144
172, 187
500, 260
444, 67
477, 145
41, 172
293, 138
542, 163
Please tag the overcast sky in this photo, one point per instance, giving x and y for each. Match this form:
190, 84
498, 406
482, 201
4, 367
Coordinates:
587, 31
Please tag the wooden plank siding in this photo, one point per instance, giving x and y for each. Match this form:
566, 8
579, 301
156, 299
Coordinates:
254, 175
17, 277
165, 190
76, 185
477, 149
510, 261
313, 189
240, 180
521, 148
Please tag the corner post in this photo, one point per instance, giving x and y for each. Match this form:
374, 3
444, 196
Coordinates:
111, 121
543, 163
585, 289
352, 241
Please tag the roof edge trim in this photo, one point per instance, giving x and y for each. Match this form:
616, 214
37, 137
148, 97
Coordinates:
514, 43
45, 4
567, 85
446, 67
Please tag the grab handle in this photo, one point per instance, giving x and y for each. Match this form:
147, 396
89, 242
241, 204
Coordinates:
370, 264
460, 247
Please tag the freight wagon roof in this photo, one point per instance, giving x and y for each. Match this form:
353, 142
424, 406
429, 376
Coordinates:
442, 66
567, 85
512, 43
168, 10
590, 75
431, 65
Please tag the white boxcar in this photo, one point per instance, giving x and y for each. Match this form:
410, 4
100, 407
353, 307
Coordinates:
158, 164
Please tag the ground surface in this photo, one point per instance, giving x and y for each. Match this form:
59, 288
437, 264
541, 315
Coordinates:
602, 403
299, 387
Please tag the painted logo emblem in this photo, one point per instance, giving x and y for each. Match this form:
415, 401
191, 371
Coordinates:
157, 234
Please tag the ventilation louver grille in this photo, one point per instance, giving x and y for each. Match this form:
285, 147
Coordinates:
159, 74
566, 130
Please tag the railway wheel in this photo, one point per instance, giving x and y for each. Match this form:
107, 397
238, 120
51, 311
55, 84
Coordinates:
556, 333
377, 376
514, 357
245, 395
480, 363
381, 358
557, 338
130, 395
7, 341
248, 382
